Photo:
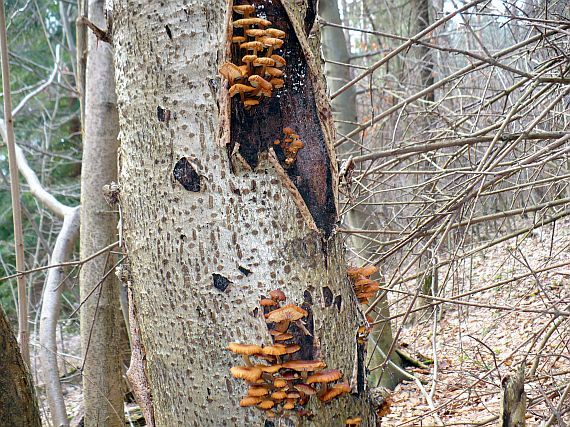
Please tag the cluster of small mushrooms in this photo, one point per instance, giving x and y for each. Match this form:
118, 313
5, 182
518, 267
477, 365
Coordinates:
284, 382
260, 70
290, 145
364, 287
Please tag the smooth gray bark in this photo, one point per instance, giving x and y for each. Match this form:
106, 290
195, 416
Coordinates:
101, 318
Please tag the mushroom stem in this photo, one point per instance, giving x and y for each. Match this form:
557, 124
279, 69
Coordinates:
246, 358
269, 51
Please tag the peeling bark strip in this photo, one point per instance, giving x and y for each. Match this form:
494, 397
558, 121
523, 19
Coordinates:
136, 374
253, 131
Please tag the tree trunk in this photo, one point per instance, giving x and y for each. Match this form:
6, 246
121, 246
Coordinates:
513, 400
101, 318
344, 111
18, 404
213, 221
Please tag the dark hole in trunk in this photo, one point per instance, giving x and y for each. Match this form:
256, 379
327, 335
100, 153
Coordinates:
186, 175
292, 106
327, 296
221, 283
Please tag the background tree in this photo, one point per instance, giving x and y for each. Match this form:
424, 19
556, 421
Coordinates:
18, 404
101, 317
337, 71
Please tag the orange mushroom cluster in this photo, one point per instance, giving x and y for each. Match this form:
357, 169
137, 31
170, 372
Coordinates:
284, 382
260, 69
291, 145
364, 287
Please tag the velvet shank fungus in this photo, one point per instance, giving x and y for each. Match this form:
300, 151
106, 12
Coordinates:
364, 287
291, 144
286, 383
256, 41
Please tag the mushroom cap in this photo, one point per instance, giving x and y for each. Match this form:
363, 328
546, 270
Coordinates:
266, 302
297, 144
305, 388
366, 295
293, 348
251, 46
239, 88
271, 41
255, 32
279, 382
368, 270
288, 131
293, 395
277, 295
290, 376
370, 288
258, 391
266, 404
278, 395
363, 281
246, 22
304, 365
326, 376
264, 61
275, 350
258, 81
288, 312
243, 8
248, 373
266, 93
330, 394
289, 405
230, 71
271, 369
238, 39
247, 349
274, 72
334, 391
279, 60
353, 272
250, 102
243, 69
249, 401
264, 22
274, 32
353, 421
283, 337
249, 58
277, 83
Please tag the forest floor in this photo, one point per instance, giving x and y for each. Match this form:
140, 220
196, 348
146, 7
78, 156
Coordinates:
477, 346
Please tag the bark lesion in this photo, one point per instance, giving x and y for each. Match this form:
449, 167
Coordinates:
311, 177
